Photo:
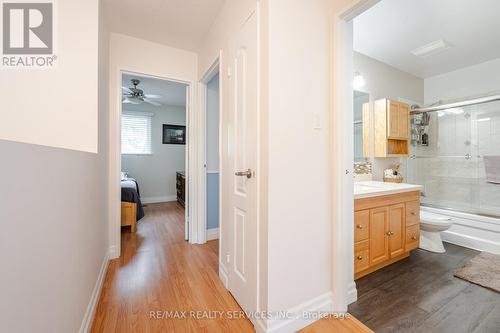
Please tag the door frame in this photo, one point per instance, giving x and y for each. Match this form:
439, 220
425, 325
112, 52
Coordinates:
215, 68
342, 156
192, 141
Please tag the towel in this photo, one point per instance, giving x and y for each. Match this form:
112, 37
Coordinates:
492, 169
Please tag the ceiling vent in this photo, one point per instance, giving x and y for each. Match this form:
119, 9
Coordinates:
433, 48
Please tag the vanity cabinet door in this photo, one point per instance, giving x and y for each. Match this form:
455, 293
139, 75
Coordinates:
361, 225
379, 226
397, 232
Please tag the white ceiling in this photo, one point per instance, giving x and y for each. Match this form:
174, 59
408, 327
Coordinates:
177, 23
390, 30
173, 93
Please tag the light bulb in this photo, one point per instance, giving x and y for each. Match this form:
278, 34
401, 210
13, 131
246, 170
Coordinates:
358, 81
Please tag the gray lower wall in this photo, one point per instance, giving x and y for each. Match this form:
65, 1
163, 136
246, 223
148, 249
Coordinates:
53, 236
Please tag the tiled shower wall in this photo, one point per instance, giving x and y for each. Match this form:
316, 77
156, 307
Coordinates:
451, 168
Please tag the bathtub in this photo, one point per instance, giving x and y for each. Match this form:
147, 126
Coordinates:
469, 230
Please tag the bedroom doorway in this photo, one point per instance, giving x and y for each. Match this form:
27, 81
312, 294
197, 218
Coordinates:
153, 148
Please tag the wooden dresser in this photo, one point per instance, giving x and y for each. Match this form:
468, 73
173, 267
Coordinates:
181, 187
386, 229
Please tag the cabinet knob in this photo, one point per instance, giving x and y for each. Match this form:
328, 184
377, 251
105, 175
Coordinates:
359, 257
413, 213
389, 233
359, 226
414, 237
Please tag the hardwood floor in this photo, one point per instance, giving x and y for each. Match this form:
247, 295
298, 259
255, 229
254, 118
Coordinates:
159, 271
420, 294
330, 325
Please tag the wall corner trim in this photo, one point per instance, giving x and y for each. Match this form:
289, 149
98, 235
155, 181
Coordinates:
88, 318
352, 293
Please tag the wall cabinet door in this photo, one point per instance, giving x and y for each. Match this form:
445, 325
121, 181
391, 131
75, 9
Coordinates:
398, 115
393, 119
397, 232
379, 244
404, 121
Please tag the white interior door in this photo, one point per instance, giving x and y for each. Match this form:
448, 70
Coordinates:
242, 163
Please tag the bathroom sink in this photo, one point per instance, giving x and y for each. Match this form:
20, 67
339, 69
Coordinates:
374, 188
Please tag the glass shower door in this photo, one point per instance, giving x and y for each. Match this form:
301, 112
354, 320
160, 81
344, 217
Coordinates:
447, 166
486, 128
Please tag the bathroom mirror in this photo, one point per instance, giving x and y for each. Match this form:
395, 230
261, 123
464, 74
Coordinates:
359, 99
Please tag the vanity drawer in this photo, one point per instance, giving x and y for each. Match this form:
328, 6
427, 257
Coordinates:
361, 256
361, 225
412, 213
412, 237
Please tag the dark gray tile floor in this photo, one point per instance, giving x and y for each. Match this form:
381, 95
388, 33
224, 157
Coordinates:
420, 294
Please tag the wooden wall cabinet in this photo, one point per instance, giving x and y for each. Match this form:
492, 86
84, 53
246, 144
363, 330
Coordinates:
386, 229
391, 128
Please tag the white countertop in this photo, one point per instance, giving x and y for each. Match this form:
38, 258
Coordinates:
372, 188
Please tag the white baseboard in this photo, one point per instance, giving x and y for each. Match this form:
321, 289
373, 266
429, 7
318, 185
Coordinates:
322, 303
88, 318
352, 293
151, 200
223, 276
212, 234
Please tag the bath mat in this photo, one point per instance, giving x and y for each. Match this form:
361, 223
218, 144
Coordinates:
483, 270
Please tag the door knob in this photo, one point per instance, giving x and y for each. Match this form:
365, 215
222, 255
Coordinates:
247, 173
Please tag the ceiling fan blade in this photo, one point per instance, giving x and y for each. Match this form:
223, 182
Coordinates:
151, 102
152, 96
126, 101
125, 89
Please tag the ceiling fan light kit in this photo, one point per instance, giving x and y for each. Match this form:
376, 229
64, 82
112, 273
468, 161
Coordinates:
134, 95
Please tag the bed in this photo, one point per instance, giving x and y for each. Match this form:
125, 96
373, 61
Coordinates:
131, 206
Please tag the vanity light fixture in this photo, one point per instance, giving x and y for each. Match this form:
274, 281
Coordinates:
358, 81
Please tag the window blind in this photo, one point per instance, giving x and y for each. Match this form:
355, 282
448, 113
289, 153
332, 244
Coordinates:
136, 133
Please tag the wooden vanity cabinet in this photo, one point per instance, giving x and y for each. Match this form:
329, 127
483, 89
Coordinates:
386, 229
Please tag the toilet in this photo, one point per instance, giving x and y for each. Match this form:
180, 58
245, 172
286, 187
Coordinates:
431, 226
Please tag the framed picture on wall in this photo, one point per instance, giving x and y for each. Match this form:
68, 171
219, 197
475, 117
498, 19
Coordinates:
174, 134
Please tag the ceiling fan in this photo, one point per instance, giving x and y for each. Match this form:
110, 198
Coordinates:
136, 96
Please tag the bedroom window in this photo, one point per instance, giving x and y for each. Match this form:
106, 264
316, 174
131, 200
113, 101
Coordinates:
136, 133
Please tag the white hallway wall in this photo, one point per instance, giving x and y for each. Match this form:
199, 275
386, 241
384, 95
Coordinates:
141, 57
37, 97
156, 173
